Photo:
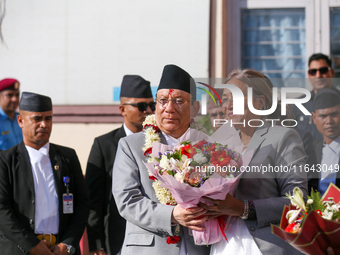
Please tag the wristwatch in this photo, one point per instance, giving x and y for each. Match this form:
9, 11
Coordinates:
70, 249
245, 214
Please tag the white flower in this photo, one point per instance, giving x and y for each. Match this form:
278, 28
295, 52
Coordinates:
310, 201
292, 215
186, 163
179, 177
150, 120
199, 158
327, 214
165, 163
297, 198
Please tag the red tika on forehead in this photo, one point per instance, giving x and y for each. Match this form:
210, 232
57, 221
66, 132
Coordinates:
171, 91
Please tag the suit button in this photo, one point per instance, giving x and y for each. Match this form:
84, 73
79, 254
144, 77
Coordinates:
31, 221
252, 228
266, 223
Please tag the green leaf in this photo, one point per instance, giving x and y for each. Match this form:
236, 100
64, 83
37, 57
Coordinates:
317, 203
170, 172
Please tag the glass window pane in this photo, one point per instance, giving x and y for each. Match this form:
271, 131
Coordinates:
274, 41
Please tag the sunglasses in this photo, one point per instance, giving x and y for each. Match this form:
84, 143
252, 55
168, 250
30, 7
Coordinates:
322, 70
142, 106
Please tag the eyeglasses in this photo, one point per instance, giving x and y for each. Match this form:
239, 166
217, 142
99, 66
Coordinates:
142, 106
226, 100
322, 70
178, 102
215, 114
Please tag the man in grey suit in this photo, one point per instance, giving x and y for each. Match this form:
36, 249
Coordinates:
326, 117
149, 222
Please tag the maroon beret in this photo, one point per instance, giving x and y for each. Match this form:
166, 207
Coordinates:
9, 84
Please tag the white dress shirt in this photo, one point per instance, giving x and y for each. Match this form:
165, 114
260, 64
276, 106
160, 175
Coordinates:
127, 131
46, 198
330, 158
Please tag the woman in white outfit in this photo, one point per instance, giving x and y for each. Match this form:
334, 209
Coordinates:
259, 197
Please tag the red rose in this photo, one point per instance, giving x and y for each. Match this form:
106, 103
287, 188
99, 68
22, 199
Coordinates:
151, 177
186, 150
153, 126
290, 228
173, 239
148, 151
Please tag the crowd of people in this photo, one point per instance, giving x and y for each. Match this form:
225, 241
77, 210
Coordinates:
46, 203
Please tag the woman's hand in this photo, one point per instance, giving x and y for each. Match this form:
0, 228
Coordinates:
228, 206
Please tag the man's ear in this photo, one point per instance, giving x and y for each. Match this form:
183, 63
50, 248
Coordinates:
333, 72
122, 110
20, 120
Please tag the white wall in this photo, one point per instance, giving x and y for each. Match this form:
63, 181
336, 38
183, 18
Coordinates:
76, 50
79, 137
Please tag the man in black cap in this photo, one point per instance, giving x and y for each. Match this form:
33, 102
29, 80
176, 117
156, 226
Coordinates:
151, 226
320, 74
326, 117
43, 196
106, 228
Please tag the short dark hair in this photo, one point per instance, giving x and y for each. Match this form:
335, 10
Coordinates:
318, 56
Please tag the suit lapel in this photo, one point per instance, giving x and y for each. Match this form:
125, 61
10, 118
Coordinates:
120, 133
257, 139
57, 170
25, 165
318, 149
163, 140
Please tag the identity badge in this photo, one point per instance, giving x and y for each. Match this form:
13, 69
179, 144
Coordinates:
68, 203
67, 197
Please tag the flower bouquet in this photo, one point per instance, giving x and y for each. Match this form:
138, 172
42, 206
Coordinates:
185, 173
313, 227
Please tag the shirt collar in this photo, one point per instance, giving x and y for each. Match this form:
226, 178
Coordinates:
44, 150
3, 114
170, 140
127, 131
334, 145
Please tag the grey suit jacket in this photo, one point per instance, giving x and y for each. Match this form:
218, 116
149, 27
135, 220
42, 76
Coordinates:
274, 146
147, 220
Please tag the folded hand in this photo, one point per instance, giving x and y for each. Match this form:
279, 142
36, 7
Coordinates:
191, 217
228, 206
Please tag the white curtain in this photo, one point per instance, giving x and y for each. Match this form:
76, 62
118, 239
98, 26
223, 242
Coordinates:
274, 42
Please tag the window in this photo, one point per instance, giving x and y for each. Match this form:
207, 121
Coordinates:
273, 41
278, 37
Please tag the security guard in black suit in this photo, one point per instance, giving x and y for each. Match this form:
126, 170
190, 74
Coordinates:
106, 228
44, 200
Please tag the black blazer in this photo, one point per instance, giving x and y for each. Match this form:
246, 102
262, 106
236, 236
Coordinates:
17, 199
105, 228
314, 176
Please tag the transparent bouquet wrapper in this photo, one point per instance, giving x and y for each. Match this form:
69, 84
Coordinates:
216, 187
316, 233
